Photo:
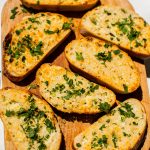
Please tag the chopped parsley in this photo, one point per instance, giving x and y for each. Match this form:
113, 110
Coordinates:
125, 134
79, 56
34, 20
48, 21
58, 87
107, 12
78, 145
104, 56
94, 21
101, 142
37, 49
125, 88
75, 93
9, 113
49, 125
135, 123
14, 12
51, 32
66, 26
104, 107
114, 139
18, 32
116, 52
93, 87
102, 127
126, 111
30, 123
107, 45
138, 44
123, 10
126, 27
46, 83
73, 88
69, 81
133, 34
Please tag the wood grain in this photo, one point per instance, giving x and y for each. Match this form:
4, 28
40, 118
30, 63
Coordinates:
71, 124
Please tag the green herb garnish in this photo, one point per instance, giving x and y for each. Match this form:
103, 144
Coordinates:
66, 26
14, 12
104, 56
18, 31
78, 145
34, 20
126, 111
107, 12
102, 127
51, 32
48, 21
116, 52
37, 50
125, 134
104, 107
9, 113
94, 21
79, 56
125, 88
114, 139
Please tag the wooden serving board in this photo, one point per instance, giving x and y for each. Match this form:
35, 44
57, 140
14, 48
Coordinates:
72, 124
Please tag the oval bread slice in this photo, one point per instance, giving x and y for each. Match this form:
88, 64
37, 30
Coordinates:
122, 129
105, 63
29, 120
71, 93
120, 26
60, 5
32, 40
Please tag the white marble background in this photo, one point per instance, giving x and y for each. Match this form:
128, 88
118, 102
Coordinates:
141, 6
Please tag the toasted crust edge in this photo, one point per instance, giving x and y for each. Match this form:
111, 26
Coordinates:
60, 7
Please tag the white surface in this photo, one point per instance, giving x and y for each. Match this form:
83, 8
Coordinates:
142, 7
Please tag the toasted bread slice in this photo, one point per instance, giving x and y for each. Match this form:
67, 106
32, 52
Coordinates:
29, 120
122, 129
60, 5
105, 63
32, 40
71, 93
120, 26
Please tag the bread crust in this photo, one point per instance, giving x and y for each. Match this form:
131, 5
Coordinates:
61, 6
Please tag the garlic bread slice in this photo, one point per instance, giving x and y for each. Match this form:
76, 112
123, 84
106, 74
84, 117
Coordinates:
122, 129
29, 121
60, 5
32, 40
120, 26
104, 63
71, 93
